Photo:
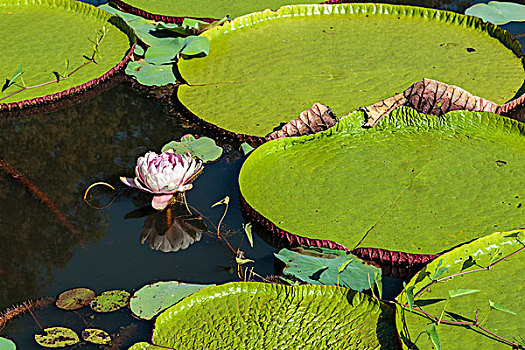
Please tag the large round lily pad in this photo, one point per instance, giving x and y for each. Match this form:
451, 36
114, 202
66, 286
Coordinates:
496, 294
419, 184
268, 316
45, 41
206, 8
263, 69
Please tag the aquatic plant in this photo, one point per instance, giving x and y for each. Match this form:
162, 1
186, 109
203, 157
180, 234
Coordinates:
163, 175
469, 298
498, 12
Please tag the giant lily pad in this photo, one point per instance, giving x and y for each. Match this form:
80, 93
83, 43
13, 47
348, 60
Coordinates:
154, 298
264, 68
64, 34
202, 8
269, 316
495, 294
414, 183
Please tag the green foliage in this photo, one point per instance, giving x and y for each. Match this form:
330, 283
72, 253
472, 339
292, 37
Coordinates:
7, 344
430, 162
164, 54
203, 148
96, 336
110, 301
152, 299
189, 26
498, 12
9, 82
246, 148
499, 307
433, 335
257, 75
269, 316
466, 319
248, 230
328, 267
163, 50
81, 22
74, 299
57, 337
461, 292
151, 74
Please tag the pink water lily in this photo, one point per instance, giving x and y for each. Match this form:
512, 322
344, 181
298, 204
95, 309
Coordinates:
164, 175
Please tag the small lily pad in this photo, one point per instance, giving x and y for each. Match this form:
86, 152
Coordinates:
151, 74
74, 299
7, 344
96, 336
498, 12
154, 298
57, 337
329, 267
110, 301
203, 148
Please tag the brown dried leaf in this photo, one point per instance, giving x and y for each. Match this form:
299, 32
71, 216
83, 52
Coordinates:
311, 121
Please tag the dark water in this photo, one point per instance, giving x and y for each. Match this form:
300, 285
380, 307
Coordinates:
54, 241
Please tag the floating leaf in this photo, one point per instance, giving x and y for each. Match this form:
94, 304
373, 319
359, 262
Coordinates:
498, 12
500, 307
110, 301
165, 53
248, 230
151, 74
455, 293
195, 45
7, 344
203, 148
246, 148
327, 266
96, 336
57, 337
433, 335
270, 316
152, 299
74, 299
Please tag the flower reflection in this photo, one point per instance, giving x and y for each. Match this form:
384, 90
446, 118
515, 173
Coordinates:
171, 229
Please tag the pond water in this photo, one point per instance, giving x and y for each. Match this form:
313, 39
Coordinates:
53, 241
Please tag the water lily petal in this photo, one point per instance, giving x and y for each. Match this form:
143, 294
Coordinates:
160, 202
140, 186
129, 181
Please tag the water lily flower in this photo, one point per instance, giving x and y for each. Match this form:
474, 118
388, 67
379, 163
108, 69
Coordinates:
164, 175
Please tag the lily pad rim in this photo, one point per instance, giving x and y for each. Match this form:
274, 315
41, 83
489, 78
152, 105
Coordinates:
476, 23
68, 5
382, 256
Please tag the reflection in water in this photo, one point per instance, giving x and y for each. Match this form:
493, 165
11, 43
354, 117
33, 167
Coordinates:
171, 229
60, 154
